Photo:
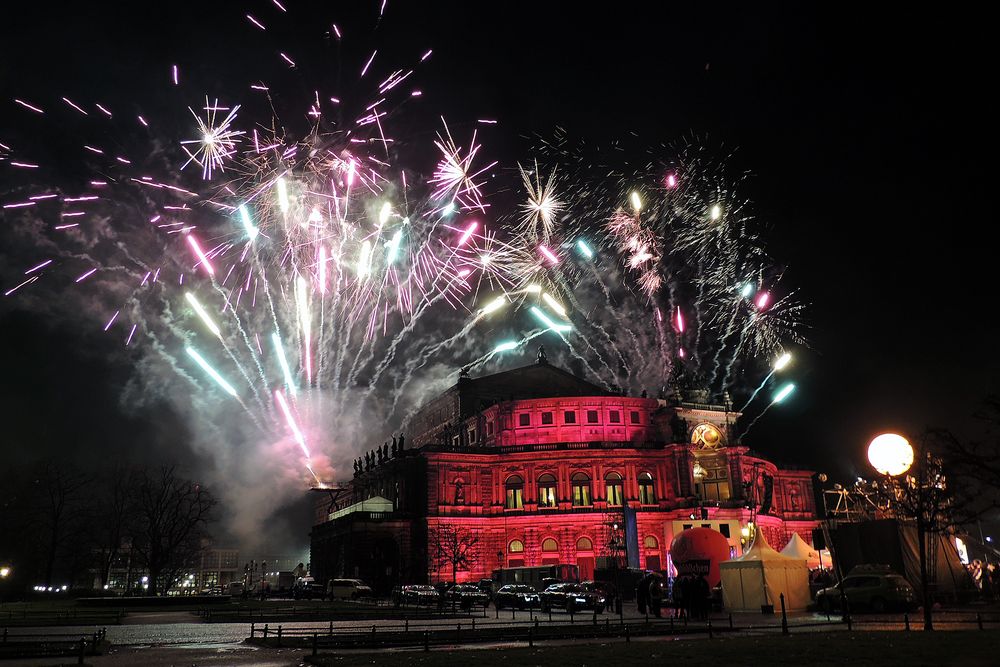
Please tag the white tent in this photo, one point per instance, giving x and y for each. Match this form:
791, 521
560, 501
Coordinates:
798, 548
760, 575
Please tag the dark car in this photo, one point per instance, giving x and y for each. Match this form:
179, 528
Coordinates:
516, 596
606, 591
306, 588
571, 597
467, 596
877, 591
415, 594
487, 586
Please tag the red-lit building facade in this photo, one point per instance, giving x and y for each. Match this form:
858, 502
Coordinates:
538, 466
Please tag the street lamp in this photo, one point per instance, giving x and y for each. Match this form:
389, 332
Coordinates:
890, 454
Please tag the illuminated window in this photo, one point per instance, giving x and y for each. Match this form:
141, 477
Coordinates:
650, 542
549, 545
584, 544
524, 419
547, 491
581, 489
516, 547
613, 487
591, 416
634, 416
546, 418
569, 417
615, 417
515, 492
646, 494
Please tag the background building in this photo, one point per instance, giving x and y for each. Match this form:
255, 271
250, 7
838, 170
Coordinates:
535, 466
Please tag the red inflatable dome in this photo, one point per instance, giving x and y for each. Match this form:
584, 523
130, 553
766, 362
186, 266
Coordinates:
699, 550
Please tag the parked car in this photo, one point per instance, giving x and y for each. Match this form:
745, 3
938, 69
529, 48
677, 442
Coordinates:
516, 596
415, 594
605, 590
467, 596
487, 586
306, 588
877, 591
571, 597
348, 589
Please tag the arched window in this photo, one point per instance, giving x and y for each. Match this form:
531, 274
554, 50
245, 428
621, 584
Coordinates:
516, 547
515, 492
650, 542
613, 487
549, 545
547, 490
584, 544
647, 496
581, 489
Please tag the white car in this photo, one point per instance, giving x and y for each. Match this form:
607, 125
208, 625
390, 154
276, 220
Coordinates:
347, 588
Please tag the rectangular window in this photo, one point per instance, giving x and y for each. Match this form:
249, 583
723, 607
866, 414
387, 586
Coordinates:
686, 526
724, 529
615, 417
646, 494
546, 418
515, 498
524, 419
569, 417
635, 417
489, 428
547, 496
614, 491
591, 416
472, 435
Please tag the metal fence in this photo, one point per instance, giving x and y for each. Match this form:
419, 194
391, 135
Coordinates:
14, 645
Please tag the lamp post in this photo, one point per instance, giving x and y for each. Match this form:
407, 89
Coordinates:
892, 456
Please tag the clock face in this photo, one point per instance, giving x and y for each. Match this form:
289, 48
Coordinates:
706, 436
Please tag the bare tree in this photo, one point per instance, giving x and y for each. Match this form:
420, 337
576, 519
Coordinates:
169, 525
454, 546
934, 499
115, 508
59, 499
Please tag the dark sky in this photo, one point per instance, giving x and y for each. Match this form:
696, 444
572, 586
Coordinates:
866, 131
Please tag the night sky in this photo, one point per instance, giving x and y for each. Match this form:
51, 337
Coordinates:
865, 130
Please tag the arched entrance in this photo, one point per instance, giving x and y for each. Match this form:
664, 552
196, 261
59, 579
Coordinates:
585, 558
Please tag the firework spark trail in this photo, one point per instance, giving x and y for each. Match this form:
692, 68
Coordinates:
419, 360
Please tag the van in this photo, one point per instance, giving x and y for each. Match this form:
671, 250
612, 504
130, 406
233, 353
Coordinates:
352, 589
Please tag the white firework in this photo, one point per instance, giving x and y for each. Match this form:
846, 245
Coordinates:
217, 142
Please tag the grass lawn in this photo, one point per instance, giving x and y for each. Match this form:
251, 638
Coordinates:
868, 649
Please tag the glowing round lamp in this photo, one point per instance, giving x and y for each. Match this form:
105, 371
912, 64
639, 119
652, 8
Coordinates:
890, 454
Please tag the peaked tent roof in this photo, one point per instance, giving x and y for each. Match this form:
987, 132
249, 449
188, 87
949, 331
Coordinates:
761, 553
797, 548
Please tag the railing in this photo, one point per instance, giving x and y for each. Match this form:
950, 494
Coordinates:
344, 609
536, 626
26, 616
26, 645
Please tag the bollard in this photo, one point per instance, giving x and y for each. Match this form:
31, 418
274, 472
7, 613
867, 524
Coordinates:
784, 617
406, 627
572, 613
279, 636
331, 628
906, 622
628, 634
265, 631
531, 637
473, 625
647, 616
550, 614
253, 630
373, 630
710, 628
427, 641
512, 617
850, 626
536, 622
979, 620
595, 616
497, 607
